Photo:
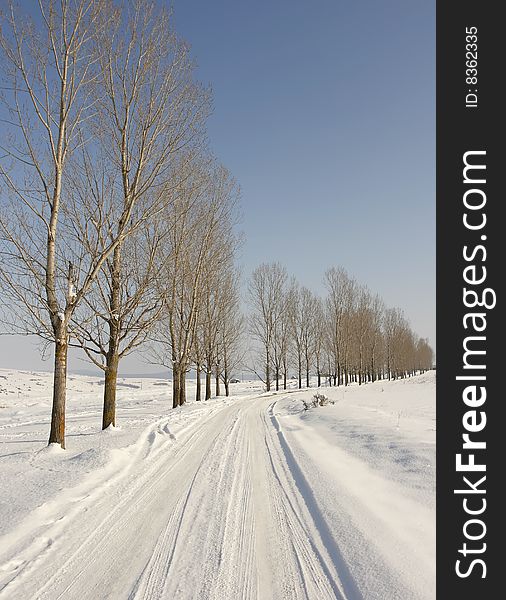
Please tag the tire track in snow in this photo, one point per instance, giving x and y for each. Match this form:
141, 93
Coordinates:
219, 514
130, 493
331, 558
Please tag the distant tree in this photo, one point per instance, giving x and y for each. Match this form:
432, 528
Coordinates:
348, 337
318, 336
296, 327
231, 330
340, 299
373, 342
281, 337
308, 313
266, 294
219, 317
424, 355
302, 311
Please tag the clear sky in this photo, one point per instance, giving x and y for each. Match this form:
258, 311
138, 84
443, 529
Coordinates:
324, 111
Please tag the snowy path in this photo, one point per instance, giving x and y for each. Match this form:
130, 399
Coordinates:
247, 497
219, 514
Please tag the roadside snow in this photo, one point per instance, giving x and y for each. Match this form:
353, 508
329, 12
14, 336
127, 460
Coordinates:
32, 473
370, 462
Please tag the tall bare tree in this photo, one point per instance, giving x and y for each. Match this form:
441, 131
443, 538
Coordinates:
108, 333
294, 311
203, 212
374, 338
149, 111
48, 77
424, 355
281, 337
339, 301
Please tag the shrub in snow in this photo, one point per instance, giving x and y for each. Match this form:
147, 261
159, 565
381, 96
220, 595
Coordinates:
317, 400
321, 399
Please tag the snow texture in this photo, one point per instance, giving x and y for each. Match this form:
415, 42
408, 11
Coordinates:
250, 497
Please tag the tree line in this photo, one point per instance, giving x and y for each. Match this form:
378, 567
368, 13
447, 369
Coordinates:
347, 336
117, 225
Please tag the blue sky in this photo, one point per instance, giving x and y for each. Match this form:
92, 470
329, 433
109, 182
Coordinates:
324, 111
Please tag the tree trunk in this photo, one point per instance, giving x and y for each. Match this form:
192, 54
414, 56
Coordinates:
319, 378
198, 393
182, 386
217, 384
175, 385
112, 358
111, 377
277, 379
307, 377
57, 432
268, 373
226, 378
208, 383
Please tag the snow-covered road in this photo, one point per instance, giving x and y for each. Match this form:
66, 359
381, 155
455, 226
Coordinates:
237, 504
218, 515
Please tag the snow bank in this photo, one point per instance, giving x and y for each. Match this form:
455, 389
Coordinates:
369, 459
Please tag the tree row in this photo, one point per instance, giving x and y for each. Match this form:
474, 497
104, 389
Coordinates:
347, 336
116, 222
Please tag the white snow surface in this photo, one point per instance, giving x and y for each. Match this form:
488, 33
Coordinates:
247, 497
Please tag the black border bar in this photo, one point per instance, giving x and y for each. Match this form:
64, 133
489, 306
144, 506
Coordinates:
466, 123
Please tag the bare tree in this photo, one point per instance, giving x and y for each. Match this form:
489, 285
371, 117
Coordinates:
230, 345
205, 207
424, 355
339, 302
210, 312
318, 335
47, 82
149, 110
215, 300
266, 287
392, 325
112, 322
374, 338
359, 326
281, 337
198, 360
308, 309
294, 311
220, 321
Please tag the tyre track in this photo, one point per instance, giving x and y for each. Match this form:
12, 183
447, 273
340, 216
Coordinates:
219, 514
